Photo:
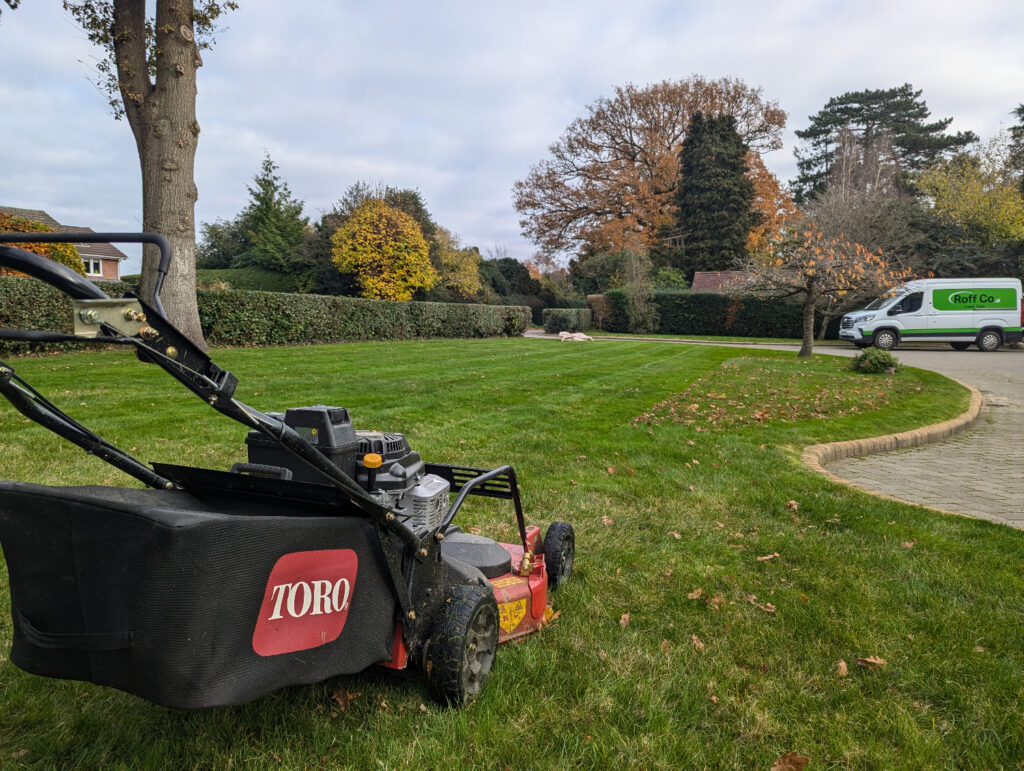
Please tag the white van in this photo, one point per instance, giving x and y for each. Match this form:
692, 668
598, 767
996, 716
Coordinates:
984, 311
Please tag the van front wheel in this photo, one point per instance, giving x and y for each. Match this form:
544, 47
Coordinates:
989, 341
885, 339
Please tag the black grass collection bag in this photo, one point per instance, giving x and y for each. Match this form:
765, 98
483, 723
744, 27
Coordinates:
190, 603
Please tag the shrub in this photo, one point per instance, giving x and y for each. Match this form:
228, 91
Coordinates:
256, 279
618, 310
65, 254
873, 361
600, 309
567, 319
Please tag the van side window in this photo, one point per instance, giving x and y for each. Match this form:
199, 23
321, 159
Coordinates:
910, 303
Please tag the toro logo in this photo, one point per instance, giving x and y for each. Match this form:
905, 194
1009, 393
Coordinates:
306, 601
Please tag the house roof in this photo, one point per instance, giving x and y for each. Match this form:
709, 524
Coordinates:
721, 281
95, 251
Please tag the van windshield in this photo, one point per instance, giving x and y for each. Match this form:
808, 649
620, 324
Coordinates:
885, 299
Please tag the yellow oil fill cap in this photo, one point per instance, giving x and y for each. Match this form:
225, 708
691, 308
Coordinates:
372, 460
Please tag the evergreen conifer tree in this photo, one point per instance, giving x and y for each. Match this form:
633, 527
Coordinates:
714, 197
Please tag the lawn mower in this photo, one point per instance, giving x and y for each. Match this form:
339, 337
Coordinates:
330, 550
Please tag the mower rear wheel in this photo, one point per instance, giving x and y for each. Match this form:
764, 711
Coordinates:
559, 552
462, 646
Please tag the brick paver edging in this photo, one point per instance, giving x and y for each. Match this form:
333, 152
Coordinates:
817, 455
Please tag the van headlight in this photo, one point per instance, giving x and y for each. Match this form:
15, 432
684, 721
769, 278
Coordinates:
862, 319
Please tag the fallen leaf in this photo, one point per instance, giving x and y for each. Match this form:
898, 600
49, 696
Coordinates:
602, 655
874, 663
692, 488
792, 505
581, 457
384, 704
606, 520
664, 647
574, 482
803, 599
791, 761
475, 530
978, 649
611, 469
423, 707
767, 607
714, 699
719, 524
624, 621
342, 698
908, 544
697, 642
768, 557
674, 534
696, 593
841, 669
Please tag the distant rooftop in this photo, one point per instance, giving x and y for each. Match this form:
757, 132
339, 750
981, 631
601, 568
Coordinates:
721, 281
95, 251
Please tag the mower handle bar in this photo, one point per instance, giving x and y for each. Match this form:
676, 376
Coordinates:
99, 238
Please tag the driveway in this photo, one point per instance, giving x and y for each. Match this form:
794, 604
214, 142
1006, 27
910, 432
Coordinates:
979, 473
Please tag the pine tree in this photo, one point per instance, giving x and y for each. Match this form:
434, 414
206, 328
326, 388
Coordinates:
714, 197
897, 114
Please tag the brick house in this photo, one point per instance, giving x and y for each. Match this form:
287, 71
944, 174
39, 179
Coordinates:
102, 261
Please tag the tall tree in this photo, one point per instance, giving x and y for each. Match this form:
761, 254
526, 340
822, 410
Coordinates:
899, 113
458, 266
149, 75
269, 233
714, 198
772, 201
1017, 146
610, 179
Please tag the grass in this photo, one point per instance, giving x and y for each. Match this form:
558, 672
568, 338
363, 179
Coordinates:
640, 670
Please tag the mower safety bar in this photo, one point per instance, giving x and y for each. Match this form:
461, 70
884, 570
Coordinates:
495, 483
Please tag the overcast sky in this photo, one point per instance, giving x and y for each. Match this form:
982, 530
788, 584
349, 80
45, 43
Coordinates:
459, 99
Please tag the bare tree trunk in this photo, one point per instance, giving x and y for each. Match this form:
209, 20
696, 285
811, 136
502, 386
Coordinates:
810, 299
162, 115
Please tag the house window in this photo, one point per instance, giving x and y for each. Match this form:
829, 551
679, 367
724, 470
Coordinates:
92, 267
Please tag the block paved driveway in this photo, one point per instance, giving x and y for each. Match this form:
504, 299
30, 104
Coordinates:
979, 472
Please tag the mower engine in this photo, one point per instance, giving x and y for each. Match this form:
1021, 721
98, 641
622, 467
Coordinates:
382, 463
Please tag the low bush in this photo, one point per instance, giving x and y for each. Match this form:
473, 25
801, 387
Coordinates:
874, 361
255, 279
567, 319
243, 318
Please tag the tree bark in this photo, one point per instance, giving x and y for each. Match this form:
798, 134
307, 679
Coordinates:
810, 299
162, 116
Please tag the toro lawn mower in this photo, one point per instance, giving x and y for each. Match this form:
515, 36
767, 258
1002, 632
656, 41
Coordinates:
331, 550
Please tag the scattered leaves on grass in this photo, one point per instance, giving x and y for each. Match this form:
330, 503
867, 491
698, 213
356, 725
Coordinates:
978, 649
874, 663
423, 707
624, 621
768, 557
698, 644
343, 698
603, 656
664, 647
791, 761
674, 534
606, 520
767, 607
792, 505
696, 593
611, 469
804, 599
841, 669
908, 544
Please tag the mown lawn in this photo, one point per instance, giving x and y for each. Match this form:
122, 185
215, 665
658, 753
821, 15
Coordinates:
676, 646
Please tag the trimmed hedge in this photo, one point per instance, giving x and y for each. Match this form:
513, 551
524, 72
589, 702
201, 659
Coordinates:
255, 279
683, 312
567, 319
243, 318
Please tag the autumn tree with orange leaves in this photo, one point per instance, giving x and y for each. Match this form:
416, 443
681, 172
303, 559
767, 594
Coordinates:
611, 177
823, 270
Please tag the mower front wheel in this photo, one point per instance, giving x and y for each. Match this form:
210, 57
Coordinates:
462, 646
559, 552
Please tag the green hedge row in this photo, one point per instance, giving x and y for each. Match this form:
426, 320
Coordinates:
243, 318
708, 313
567, 320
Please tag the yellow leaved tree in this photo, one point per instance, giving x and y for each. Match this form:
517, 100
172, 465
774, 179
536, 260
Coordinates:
65, 254
385, 250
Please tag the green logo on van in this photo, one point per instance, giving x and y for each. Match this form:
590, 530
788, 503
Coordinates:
974, 299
